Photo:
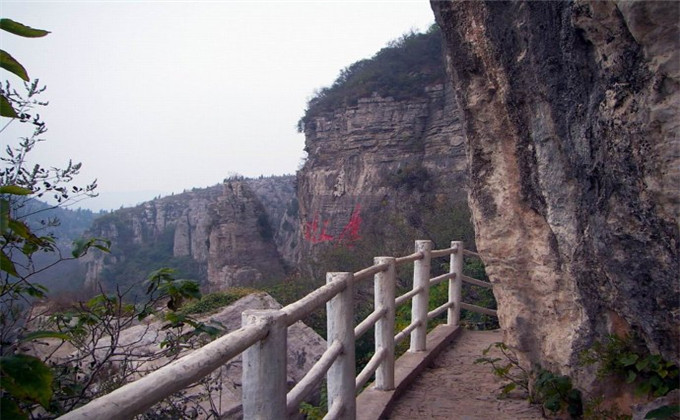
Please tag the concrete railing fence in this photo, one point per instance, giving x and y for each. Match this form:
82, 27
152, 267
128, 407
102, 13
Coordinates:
262, 340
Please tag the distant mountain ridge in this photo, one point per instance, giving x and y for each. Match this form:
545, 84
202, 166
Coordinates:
65, 225
225, 235
71, 222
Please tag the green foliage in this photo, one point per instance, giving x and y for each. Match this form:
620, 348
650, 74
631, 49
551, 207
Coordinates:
476, 295
14, 190
102, 362
557, 394
162, 281
10, 64
665, 412
20, 29
401, 70
18, 244
10, 410
26, 378
316, 412
218, 300
632, 363
132, 258
82, 245
24, 237
507, 368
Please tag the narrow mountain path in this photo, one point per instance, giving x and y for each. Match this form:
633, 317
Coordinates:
456, 388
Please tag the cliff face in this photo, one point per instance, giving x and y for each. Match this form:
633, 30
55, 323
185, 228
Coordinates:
379, 161
571, 122
233, 234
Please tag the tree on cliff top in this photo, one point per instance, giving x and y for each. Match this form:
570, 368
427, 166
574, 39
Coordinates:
400, 70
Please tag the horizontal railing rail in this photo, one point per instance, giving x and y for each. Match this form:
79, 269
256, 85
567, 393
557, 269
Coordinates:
264, 386
138, 396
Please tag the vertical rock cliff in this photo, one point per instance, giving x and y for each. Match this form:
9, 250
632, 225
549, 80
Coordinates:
571, 117
380, 158
233, 234
386, 159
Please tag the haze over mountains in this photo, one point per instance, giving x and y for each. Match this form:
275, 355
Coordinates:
556, 120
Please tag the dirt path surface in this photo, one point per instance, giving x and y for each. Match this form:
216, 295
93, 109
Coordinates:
455, 388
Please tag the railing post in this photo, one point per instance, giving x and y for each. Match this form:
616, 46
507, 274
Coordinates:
264, 367
421, 279
384, 327
453, 315
340, 324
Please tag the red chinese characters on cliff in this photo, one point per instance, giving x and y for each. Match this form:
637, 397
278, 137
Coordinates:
316, 231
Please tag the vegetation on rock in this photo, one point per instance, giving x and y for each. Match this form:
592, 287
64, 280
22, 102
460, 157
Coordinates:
214, 301
400, 71
628, 360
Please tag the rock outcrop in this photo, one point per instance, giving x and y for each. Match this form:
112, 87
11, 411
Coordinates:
378, 159
305, 347
233, 234
571, 117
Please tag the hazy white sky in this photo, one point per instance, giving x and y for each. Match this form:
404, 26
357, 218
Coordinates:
155, 97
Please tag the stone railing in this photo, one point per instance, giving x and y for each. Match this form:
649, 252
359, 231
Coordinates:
262, 340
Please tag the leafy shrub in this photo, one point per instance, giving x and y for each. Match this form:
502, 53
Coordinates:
556, 393
632, 363
101, 361
316, 412
506, 368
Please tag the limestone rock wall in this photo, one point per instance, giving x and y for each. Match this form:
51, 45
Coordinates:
380, 157
234, 232
571, 115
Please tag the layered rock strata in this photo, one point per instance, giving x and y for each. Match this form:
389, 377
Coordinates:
380, 157
238, 233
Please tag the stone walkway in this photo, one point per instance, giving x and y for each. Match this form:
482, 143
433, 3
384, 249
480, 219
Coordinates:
456, 388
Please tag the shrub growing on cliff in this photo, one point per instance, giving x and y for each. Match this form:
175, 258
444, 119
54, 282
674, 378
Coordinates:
401, 70
556, 394
631, 362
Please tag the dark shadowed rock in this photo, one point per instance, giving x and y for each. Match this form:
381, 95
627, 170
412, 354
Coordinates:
571, 120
